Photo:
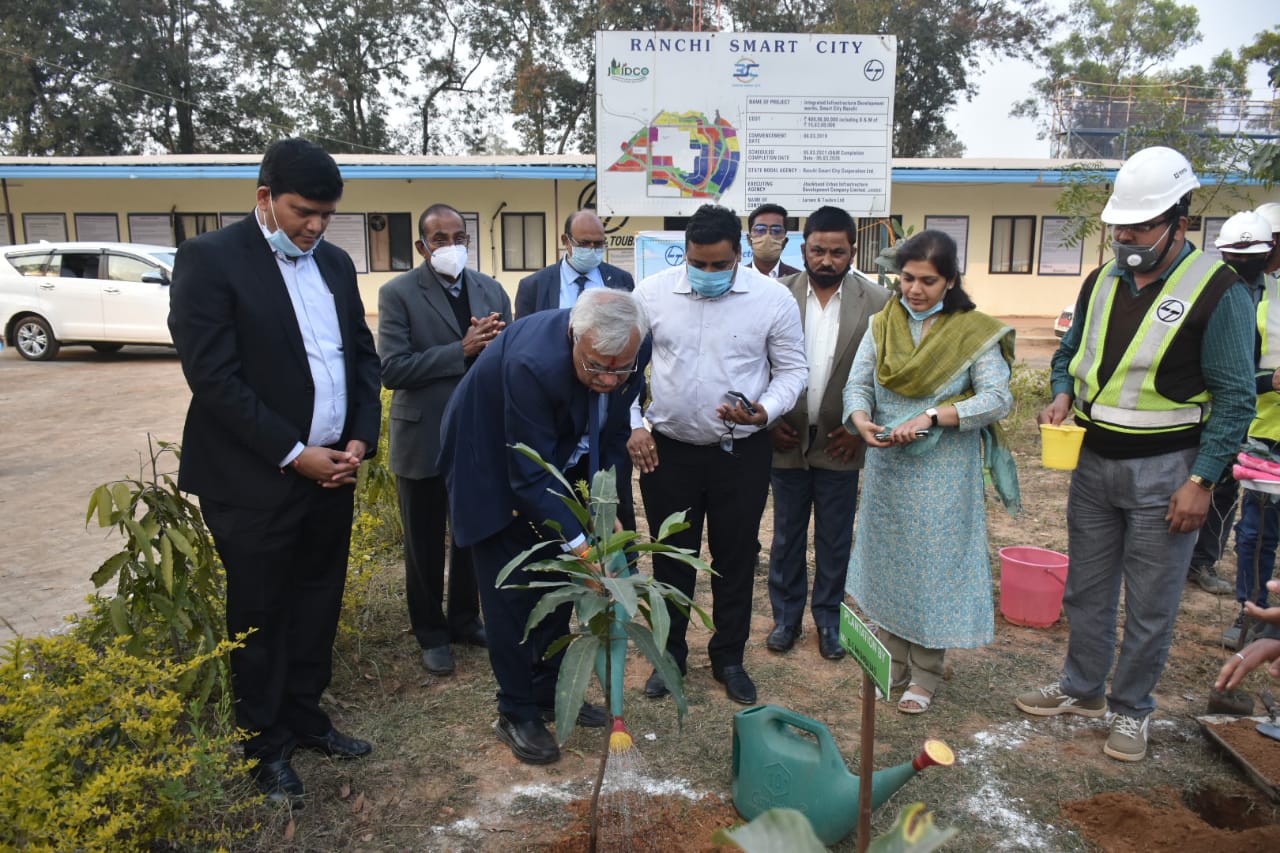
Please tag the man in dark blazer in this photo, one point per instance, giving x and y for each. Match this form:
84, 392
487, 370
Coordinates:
545, 381
432, 323
815, 459
268, 322
581, 268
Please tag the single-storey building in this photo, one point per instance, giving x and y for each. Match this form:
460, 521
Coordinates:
1002, 212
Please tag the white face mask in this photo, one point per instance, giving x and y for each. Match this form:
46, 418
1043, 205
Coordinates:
449, 260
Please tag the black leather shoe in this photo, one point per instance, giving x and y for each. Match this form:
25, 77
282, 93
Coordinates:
279, 782
336, 745
589, 716
738, 686
438, 660
475, 637
529, 741
782, 638
655, 687
829, 643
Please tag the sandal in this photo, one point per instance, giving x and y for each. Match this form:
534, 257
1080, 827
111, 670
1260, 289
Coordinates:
914, 701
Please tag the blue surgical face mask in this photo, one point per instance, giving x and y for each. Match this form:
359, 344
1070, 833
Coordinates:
710, 283
280, 241
921, 315
584, 260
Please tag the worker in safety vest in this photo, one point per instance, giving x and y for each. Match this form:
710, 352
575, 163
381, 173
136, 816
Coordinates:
1157, 367
1247, 245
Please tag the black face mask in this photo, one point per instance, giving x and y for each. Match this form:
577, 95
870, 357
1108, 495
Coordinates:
1249, 266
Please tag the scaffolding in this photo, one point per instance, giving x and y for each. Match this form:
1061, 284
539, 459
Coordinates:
1107, 121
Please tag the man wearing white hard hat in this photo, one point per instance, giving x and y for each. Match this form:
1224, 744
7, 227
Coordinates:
1157, 368
1271, 212
1246, 243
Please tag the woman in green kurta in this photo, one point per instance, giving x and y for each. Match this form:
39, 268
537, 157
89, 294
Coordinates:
930, 375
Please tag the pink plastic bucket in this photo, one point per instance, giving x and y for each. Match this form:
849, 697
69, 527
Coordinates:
1032, 581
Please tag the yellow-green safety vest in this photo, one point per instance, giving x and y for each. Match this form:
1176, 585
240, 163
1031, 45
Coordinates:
1266, 421
1129, 401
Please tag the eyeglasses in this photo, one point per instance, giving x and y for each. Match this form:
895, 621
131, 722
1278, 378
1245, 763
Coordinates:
773, 230
585, 244
726, 440
1141, 228
593, 369
445, 239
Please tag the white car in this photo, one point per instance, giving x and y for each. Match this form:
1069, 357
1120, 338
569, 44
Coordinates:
102, 294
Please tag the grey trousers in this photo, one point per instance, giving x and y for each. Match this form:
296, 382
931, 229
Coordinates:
1117, 534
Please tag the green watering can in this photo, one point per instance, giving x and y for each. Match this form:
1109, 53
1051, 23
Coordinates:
783, 759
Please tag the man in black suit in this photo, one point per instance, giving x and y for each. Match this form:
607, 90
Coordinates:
268, 322
432, 323
767, 231
582, 268
546, 381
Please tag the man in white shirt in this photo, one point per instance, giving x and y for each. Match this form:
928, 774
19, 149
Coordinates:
815, 459
718, 327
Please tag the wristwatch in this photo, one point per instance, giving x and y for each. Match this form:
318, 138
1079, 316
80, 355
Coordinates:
1203, 482
933, 415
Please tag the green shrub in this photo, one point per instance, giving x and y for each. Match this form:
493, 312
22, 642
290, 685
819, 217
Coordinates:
1030, 387
102, 750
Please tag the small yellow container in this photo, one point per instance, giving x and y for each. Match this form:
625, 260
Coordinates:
1060, 446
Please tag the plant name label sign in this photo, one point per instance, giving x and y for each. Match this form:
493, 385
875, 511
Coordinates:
865, 647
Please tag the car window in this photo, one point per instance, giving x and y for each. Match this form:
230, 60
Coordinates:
127, 267
78, 264
165, 258
31, 264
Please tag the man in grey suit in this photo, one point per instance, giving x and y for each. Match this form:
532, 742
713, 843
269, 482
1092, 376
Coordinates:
582, 268
432, 323
815, 459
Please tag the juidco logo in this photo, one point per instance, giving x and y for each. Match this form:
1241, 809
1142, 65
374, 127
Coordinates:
627, 73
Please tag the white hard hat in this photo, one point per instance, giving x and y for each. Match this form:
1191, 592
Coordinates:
1149, 183
1270, 212
1245, 233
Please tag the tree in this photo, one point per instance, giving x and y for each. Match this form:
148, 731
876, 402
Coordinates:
1264, 159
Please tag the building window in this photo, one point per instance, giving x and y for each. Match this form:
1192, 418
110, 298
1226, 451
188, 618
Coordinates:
188, 225
390, 242
524, 241
1013, 241
874, 234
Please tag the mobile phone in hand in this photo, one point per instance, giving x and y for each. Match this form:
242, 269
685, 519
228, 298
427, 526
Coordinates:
739, 397
884, 436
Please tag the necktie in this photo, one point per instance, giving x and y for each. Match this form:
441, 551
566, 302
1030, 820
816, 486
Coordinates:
581, 281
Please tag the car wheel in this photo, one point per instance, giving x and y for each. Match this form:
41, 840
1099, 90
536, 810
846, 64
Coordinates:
107, 348
34, 338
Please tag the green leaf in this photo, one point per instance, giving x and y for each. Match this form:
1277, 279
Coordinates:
662, 662
590, 605
604, 503
119, 611
550, 601
122, 495
544, 465
518, 560
659, 618
576, 669
181, 542
579, 511
773, 831
624, 592
100, 503
673, 523
913, 832
166, 564
109, 568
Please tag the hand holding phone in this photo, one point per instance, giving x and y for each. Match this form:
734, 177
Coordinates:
884, 436
739, 397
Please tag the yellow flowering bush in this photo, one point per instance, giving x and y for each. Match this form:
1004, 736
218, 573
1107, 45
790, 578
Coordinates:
377, 535
100, 752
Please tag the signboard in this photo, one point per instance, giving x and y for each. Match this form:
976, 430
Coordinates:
1056, 257
658, 250
44, 226
98, 227
154, 228
865, 647
346, 231
740, 119
957, 228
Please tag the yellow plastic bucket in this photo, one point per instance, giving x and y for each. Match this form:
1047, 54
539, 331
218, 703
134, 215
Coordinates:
1060, 446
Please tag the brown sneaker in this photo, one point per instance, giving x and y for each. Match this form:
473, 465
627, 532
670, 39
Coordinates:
1128, 739
1050, 701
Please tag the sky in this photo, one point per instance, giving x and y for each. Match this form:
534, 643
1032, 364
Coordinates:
984, 125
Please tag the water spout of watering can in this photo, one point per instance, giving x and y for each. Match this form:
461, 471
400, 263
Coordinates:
885, 783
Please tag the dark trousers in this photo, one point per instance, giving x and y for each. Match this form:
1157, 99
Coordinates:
832, 496
526, 682
728, 491
1217, 523
424, 509
286, 568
